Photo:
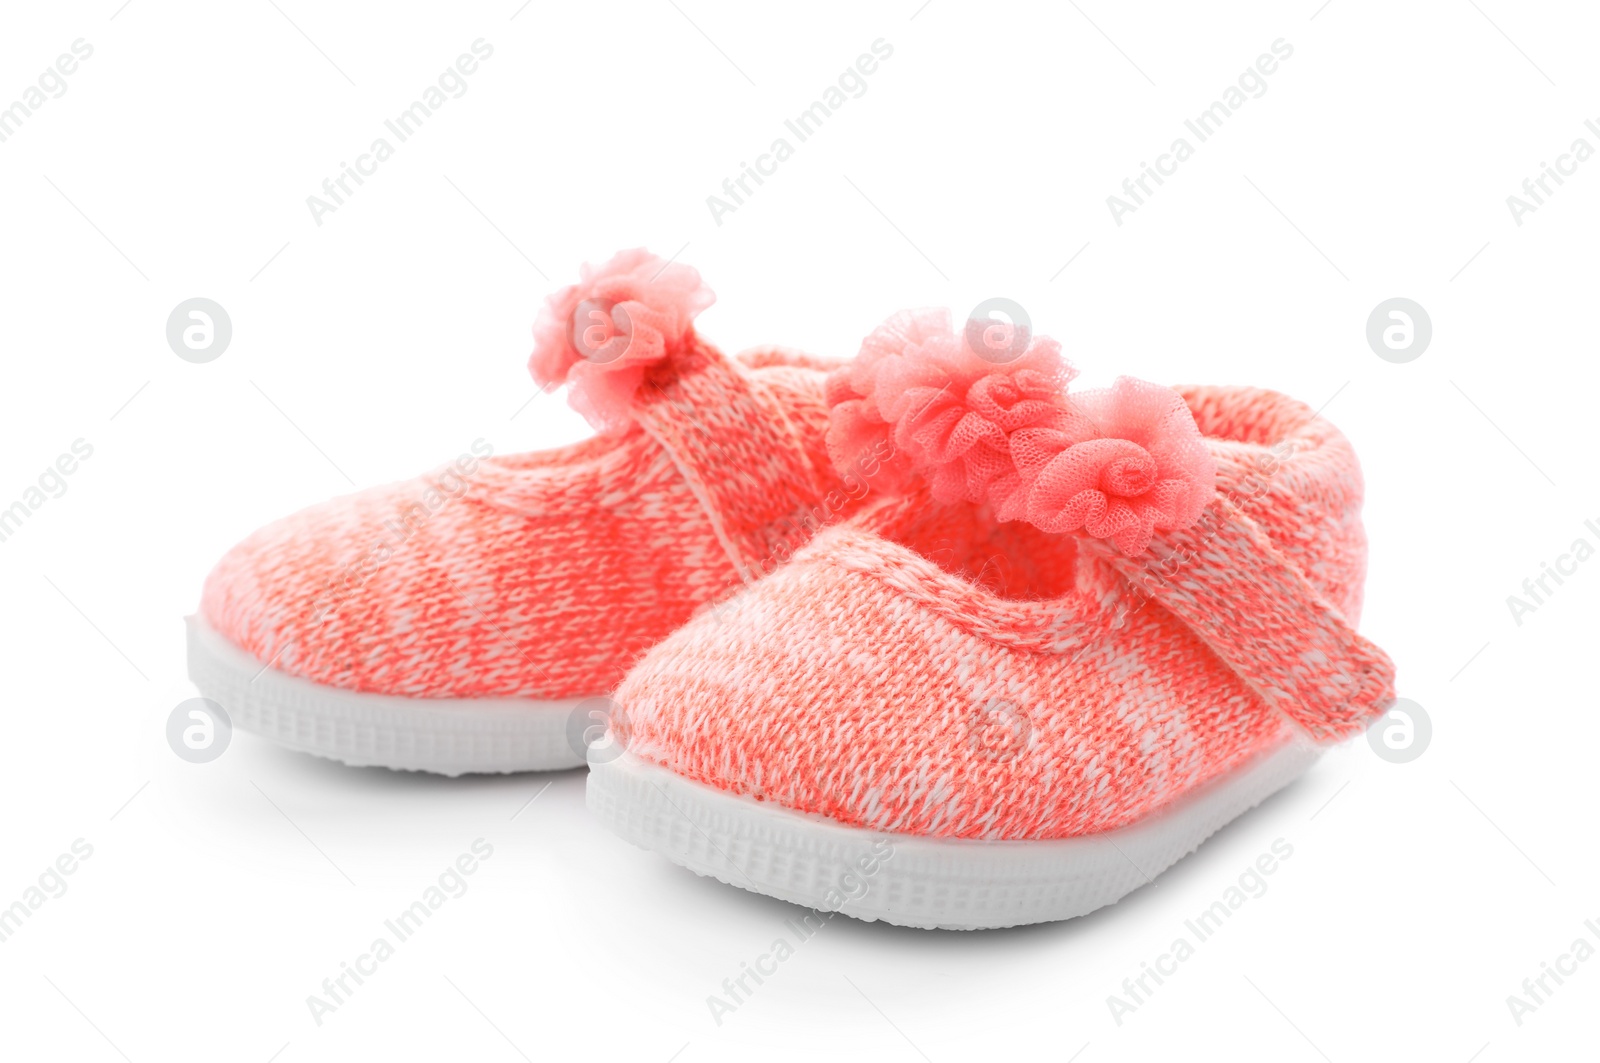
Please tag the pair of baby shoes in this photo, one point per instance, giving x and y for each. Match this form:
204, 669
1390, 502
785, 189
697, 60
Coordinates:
921, 637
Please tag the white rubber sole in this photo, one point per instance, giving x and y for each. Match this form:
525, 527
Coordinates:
448, 736
909, 880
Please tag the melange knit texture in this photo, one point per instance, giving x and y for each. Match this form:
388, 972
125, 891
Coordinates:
928, 668
545, 575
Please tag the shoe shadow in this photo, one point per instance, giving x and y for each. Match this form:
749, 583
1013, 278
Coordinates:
1198, 873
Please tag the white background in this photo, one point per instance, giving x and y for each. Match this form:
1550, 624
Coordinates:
978, 163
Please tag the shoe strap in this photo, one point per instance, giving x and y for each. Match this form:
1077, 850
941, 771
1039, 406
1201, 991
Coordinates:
1255, 609
732, 441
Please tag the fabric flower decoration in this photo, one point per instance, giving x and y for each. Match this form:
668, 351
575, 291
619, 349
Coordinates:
945, 409
1119, 463
1147, 470
601, 335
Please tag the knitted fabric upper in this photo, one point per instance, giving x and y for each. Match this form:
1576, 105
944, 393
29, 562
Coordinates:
544, 575
925, 668
538, 575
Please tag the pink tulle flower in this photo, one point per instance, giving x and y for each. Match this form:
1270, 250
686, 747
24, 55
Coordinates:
1120, 463
599, 336
921, 393
1148, 469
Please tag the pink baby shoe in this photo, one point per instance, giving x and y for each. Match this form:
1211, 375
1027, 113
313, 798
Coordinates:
458, 622
1074, 636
